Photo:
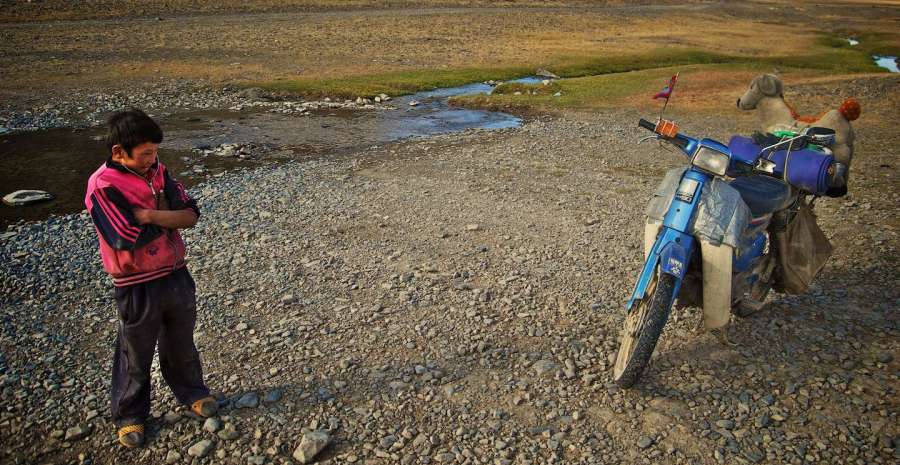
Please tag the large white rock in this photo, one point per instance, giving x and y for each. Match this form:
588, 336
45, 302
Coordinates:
200, 449
311, 444
26, 197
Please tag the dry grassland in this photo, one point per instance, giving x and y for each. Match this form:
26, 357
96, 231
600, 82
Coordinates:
303, 42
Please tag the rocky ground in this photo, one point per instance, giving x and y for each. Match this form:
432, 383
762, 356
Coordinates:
458, 299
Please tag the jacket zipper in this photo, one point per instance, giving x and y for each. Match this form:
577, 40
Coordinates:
156, 204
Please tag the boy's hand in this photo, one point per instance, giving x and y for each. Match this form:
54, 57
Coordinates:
143, 216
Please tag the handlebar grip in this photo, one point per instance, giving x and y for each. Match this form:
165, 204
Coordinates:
647, 125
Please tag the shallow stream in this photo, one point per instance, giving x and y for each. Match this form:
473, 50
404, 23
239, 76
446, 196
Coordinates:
60, 161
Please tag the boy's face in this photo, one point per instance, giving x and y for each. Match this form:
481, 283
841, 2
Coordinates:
142, 157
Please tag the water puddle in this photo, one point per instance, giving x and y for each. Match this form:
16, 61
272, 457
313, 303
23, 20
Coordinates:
60, 161
887, 62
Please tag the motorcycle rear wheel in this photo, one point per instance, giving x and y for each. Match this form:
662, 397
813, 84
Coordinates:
643, 326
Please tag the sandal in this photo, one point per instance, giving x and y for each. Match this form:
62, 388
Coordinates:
131, 436
205, 407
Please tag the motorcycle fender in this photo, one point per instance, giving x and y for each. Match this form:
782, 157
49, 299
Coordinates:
670, 251
673, 260
717, 263
651, 231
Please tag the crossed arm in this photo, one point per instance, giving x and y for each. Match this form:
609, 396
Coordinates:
171, 219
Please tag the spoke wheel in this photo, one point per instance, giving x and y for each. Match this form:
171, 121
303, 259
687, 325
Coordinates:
643, 326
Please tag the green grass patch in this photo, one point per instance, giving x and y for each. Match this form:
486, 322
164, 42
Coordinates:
837, 59
870, 43
829, 53
580, 92
600, 91
393, 84
659, 58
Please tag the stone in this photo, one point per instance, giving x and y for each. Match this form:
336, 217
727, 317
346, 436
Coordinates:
200, 449
541, 72
473, 227
288, 299
726, 424
543, 367
78, 432
569, 370
212, 425
754, 456
644, 442
273, 395
172, 457
311, 444
324, 395
248, 400
26, 197
387, 441
228, 433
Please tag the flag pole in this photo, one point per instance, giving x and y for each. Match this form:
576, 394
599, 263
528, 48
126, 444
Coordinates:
671, 90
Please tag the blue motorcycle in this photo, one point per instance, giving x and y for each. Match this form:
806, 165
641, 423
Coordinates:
707, 237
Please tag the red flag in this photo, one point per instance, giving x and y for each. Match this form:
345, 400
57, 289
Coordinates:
667, 91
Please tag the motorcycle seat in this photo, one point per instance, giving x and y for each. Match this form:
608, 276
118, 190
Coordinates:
763, 194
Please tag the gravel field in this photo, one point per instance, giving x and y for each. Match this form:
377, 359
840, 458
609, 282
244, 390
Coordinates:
458, 299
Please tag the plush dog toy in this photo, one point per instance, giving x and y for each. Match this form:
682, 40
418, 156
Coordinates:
766, 94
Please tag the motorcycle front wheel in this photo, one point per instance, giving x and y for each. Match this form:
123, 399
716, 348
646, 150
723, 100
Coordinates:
643, 326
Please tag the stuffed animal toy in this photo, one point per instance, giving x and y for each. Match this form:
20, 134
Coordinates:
766, 94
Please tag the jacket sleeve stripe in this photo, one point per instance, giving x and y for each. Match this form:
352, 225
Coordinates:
107, 231
114, 216
108, 214
122, 212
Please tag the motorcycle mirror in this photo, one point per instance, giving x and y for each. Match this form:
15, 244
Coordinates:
822, 139
766, 166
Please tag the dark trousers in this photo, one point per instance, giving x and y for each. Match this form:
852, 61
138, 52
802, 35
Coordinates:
160, 311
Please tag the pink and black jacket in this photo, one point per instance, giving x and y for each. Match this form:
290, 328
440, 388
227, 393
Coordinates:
134, 253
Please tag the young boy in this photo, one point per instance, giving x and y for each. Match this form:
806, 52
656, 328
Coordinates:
137, 209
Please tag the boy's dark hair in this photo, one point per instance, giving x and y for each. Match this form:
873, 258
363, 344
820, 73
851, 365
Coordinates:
130, 128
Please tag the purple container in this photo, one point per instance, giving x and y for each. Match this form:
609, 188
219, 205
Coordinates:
803, 169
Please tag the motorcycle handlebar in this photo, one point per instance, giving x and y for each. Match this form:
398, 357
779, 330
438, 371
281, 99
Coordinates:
679, 141
646, 125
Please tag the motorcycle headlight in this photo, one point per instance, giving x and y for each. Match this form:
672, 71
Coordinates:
711, 160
